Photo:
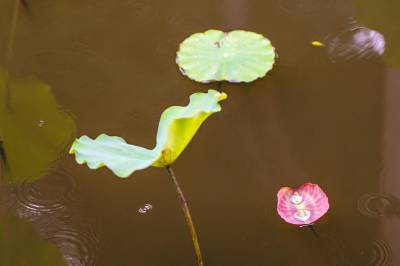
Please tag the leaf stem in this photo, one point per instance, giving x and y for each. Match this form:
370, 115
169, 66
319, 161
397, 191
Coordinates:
188, 217
311, 227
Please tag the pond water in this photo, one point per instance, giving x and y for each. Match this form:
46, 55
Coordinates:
325, 114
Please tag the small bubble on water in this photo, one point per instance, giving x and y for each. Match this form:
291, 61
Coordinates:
146, 208
41, 123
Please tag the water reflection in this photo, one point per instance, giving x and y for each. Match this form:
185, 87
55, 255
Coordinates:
20, 244
35, 131
50, 204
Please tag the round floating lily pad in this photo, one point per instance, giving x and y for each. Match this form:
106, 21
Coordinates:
237, 56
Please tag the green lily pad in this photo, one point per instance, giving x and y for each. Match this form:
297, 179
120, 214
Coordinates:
34, 130
177, 127
237, 56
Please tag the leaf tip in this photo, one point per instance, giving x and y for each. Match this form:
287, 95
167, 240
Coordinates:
72, 149
220, 96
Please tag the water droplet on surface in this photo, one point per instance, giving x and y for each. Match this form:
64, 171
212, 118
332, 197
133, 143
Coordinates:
41, 123
145, 209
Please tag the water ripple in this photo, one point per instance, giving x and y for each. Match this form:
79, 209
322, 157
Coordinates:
377, 205
46, 195
78, 245
379, 253
354, 42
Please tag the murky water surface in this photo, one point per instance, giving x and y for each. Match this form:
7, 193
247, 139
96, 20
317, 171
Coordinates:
327, 114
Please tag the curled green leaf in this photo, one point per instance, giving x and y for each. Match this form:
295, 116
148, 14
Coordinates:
177, 127
237, 56
113, 152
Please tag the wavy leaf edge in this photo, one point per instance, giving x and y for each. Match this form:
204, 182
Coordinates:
124, 159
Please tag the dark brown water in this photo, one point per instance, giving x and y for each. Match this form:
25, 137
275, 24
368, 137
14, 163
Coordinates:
327, 115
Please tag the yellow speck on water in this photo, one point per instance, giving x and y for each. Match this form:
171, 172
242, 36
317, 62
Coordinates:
317, 43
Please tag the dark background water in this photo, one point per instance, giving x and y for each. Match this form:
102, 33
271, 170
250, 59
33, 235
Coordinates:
327, 115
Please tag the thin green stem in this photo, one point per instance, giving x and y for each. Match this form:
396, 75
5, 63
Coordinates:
188, 217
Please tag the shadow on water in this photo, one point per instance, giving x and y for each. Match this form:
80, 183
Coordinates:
319, 116
34, 130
